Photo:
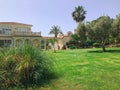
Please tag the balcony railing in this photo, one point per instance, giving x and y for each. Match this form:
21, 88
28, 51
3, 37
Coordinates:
18, 33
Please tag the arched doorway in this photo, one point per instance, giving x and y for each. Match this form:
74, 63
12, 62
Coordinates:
19, 42
42, 44
27, 42
35, 42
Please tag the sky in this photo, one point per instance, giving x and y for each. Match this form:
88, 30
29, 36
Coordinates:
43, 14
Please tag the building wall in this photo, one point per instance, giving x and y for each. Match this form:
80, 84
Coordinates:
18, 34
59, 44
12, 33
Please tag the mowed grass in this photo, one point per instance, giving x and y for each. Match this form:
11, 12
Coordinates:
85, 69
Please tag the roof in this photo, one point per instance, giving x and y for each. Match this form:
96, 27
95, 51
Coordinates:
15, 23
49, 37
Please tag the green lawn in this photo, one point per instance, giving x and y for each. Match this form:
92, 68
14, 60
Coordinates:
86, 69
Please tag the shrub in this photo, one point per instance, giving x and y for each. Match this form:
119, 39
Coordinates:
72, 47
96, 45
23, 66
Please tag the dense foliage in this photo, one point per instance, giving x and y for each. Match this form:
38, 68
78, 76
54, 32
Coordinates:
116, 30
97, 33
102, 32
23, 67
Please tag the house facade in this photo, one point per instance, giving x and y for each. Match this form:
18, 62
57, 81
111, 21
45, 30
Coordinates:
13, 33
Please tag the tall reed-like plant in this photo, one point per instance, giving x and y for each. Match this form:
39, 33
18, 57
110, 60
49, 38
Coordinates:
23, 66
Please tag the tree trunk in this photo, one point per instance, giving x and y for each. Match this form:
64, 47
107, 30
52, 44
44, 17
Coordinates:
55, 38
103, 48
54, 48
103, 45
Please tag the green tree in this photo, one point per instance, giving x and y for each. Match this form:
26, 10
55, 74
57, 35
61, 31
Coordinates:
75, 37
74, 42
82, 33
52, 41
115, 32
56, 31
79, 14
99, 30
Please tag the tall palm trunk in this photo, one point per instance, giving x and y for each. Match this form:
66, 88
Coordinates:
54, 44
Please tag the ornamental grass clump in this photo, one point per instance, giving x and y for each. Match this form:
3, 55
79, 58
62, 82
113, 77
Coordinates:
24, 66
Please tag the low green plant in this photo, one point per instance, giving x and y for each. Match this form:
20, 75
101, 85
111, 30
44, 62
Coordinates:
96, 45
72, 47
23, 66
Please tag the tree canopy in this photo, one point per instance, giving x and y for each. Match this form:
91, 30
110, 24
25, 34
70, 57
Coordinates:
99, 30
116, 29
55, 30
79, 14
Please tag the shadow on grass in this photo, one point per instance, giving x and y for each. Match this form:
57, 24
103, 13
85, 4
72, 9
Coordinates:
107, 51
57, 52
46, 79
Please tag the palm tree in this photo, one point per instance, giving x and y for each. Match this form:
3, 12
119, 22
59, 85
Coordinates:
55, 30
79, 14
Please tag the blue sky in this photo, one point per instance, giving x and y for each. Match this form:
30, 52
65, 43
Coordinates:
43, 14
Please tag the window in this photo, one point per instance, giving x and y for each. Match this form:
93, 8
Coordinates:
21, 29
5, 43
5, 31
1, 43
